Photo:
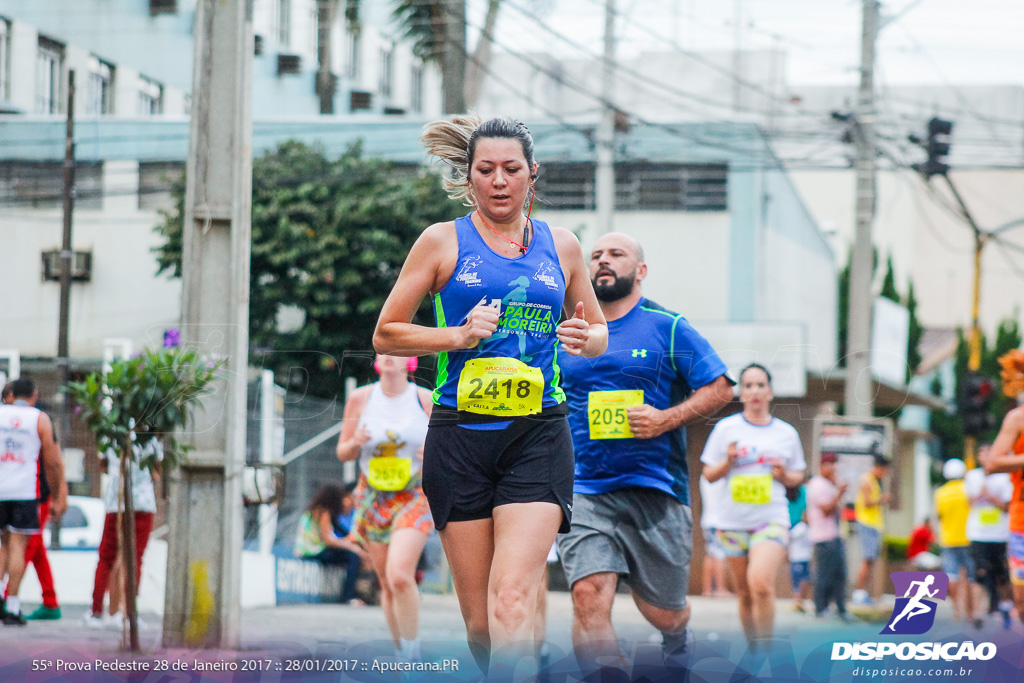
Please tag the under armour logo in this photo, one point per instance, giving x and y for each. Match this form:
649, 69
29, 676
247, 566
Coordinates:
639, 353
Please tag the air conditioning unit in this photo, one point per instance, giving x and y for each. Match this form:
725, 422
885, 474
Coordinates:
288, 64
81, 266
163, 7
360, 100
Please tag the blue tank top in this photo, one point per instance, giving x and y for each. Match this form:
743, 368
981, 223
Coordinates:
515, 371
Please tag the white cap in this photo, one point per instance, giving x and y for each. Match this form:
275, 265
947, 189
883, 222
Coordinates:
954, 469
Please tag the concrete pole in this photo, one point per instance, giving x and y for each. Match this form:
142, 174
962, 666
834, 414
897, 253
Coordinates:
605, 175
859, 398
202, 603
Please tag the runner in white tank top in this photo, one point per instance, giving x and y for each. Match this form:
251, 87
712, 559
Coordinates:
384, 426
26, 444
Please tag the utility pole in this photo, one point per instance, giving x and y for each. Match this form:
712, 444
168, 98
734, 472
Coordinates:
67, 255
859, 396
605, 172
202, 603
326, 10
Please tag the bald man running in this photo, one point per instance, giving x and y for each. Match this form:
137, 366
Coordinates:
631, 501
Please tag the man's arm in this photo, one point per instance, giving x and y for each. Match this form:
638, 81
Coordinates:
647, 422
53, 465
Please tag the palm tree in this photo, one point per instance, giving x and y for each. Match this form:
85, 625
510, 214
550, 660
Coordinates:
437, 30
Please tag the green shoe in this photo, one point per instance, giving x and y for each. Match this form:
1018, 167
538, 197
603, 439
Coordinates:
44, 613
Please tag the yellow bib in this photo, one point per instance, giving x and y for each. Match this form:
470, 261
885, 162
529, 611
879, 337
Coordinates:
500, 386
606, 413
988, 516
752, 489
389, 473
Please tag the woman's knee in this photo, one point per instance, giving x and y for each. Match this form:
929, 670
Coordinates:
400, 581
761, 586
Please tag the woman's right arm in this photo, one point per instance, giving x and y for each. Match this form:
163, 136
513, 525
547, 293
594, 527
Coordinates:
353, 436
396, 335
1002, 458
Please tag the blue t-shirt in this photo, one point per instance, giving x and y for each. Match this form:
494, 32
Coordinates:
528, 291
649, 349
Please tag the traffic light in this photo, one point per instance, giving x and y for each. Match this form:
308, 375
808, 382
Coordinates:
976, 395
937, 146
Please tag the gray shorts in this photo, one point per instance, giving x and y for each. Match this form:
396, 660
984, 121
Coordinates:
870, 541
642, 534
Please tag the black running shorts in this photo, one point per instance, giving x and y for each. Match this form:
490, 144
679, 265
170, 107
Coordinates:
19, 516
469, 472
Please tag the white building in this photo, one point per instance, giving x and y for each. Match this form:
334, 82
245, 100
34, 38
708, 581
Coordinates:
134, 58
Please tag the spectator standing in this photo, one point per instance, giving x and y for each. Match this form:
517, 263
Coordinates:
952, 507
824, 496
144, 507
988, 531
870, 516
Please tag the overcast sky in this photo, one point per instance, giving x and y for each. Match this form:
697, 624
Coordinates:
959, 42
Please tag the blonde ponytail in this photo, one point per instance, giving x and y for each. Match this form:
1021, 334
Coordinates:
448, 140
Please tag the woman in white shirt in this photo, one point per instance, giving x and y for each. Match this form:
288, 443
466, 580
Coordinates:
758, 456
384, 427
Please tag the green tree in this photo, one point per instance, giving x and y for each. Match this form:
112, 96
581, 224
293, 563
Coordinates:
437, 30
889, 283
146, 397
949, 427
915, 333
328, 240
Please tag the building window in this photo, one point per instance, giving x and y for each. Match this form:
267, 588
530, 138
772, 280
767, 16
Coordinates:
40, 184
101, 88
387, 75
352, 67
157, 180
151, 97
416, 89
567, 186
49, 57
5, 59
639, 186
284, 22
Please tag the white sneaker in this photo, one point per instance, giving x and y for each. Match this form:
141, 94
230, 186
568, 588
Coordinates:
92, 621
115, 622
861, 597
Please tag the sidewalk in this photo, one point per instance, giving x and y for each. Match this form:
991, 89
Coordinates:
296, 634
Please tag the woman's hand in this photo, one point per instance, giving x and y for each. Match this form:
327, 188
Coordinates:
481, 323
779, 473
574, 332
362, 435
732, 452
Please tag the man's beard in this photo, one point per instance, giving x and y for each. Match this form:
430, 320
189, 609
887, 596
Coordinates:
620, 287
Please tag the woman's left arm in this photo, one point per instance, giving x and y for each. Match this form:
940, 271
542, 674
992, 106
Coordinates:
585, 332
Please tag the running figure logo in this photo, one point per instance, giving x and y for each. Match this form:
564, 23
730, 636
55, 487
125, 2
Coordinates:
914, 613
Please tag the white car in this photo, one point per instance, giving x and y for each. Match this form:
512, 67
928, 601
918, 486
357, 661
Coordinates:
82, 524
